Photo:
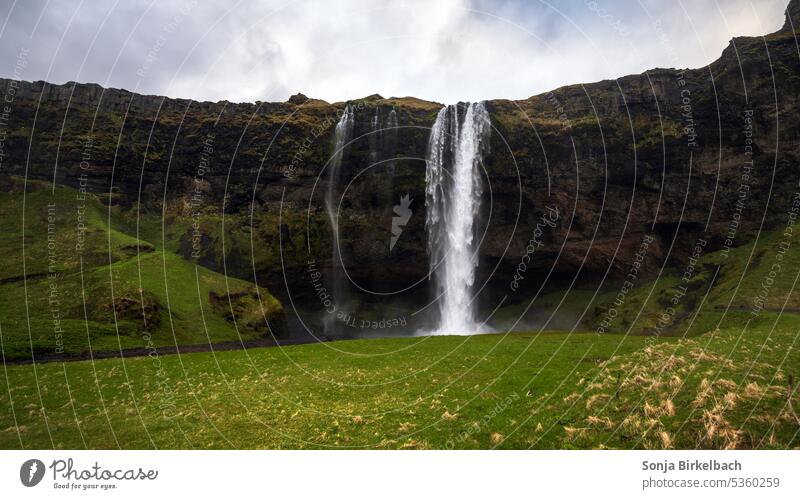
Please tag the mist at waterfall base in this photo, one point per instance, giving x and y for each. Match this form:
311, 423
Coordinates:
448, 204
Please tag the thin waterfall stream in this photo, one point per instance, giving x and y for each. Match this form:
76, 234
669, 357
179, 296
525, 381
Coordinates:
343, 133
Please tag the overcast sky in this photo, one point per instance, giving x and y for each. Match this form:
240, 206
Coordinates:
442, 50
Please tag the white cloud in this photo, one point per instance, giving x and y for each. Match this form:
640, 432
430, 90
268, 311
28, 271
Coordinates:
445, 50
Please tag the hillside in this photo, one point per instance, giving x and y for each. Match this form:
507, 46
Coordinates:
73, 284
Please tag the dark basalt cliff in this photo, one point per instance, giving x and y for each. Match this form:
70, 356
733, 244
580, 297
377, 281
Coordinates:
678, 155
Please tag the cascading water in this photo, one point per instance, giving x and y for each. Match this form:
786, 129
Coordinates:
389, 140
458, 140
391, 121
343, 133
341, 136
374, 138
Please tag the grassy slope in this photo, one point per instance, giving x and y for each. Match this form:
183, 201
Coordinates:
721, 377
113, 263
728, 387
721, 291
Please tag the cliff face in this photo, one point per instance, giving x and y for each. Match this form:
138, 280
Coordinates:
675, 155
792, 16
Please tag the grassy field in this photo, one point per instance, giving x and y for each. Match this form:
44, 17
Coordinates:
703, 356
558, 390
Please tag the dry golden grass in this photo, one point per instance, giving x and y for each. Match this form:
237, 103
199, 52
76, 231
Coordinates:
601, 422
666, 440
405, 427
638, 380
664, 408
730, 399
449, 417
632, 424
596, 399
719, 432
672, 362
496, 438
703, 392
649, 410
573, 433
753, 391
414, 445
667, 407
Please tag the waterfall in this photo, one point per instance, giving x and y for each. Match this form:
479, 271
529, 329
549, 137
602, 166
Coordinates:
391, 121
374, 138
343, 133
389, 139
452, 196
341, 136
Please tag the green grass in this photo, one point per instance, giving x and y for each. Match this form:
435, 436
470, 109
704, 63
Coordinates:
721, 373
729, 388
553, 310
117, 292
24, 222
720, 292
509, 391
408, 392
